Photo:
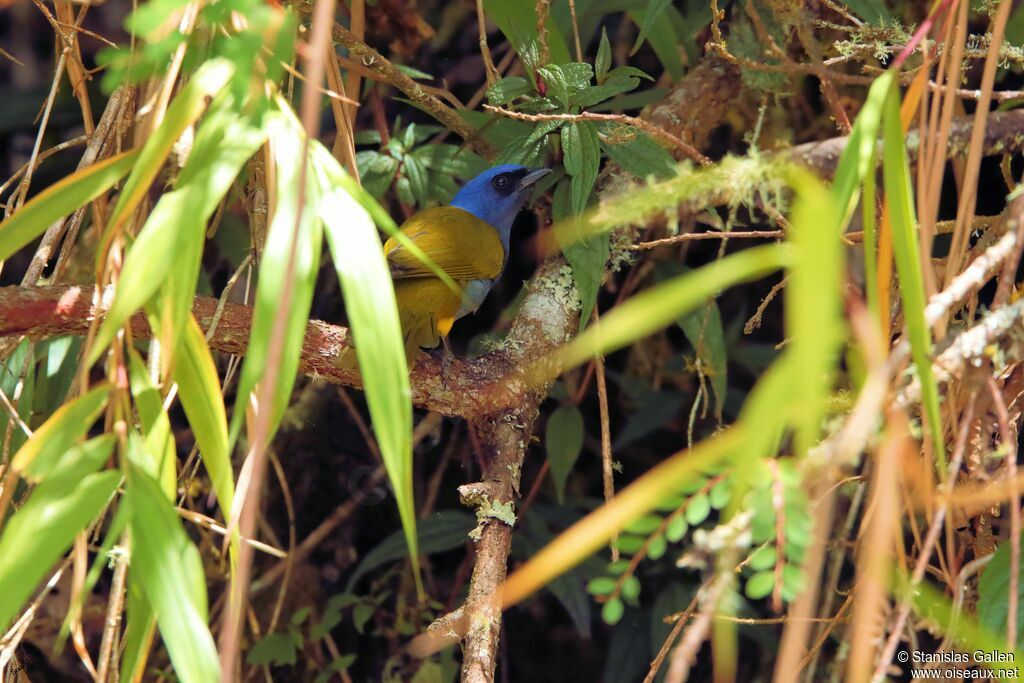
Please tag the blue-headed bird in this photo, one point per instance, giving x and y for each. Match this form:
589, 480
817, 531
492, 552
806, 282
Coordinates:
468, 240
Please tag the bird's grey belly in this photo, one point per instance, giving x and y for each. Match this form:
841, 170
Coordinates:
475, 293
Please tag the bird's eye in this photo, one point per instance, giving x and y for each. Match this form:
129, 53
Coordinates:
501, 182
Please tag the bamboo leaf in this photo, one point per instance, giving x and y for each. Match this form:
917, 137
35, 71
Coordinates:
907, 253
200, 393
813, 311
287, 143
654, 308
169, 248
183, 111
60, 199
41, 454
170, 571
43, 529
370, 306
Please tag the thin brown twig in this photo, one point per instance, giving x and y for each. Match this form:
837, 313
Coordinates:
932, 537
289, 560
490, 72
607, 472
649, 128
376, 62
708, 235
1007, 436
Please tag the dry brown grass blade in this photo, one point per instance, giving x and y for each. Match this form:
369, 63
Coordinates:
344, 148
876, 549
968, 196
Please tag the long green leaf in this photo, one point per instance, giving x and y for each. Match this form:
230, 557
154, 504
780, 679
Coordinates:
907, 253
43, 530
813, 297
659, 306
168, 567
161, 457
183, 111
169, 248
287, 143
45, 450
370, 306
60, 199
200, 393
517, 19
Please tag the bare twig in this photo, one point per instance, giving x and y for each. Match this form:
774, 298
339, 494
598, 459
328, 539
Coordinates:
649, 128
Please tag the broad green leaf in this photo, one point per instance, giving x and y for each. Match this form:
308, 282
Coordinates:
563, 441
565, 82
637, 153
517, 19
814, 308
873, 11
287, 141
508, 89
170, 571
43, 529
440, 531
907, 253
167, 253
616, 84
60, 199
200, 394
42, 453
377, 334
273, 649
664, 41
934, 605
650, 16
582, 159
183, 111
654, 308
994, 594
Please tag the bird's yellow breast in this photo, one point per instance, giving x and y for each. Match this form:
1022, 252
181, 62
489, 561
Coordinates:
466, 248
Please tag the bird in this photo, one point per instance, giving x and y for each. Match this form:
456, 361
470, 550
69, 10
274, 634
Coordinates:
469, 240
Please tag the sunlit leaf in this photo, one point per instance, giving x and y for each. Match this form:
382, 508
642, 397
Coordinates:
287, 144
183, 111
200, 393
654, 308
907, 252
170, 571
169, 248
60, 199
377, 334
42, 453
43, 529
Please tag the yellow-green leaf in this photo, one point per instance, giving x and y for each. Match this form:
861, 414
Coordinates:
60, 199
44, 450
371, 309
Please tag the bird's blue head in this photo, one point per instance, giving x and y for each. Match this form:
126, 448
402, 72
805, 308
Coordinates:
497, 195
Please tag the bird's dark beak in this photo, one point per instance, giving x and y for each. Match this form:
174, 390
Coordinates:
533, 176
